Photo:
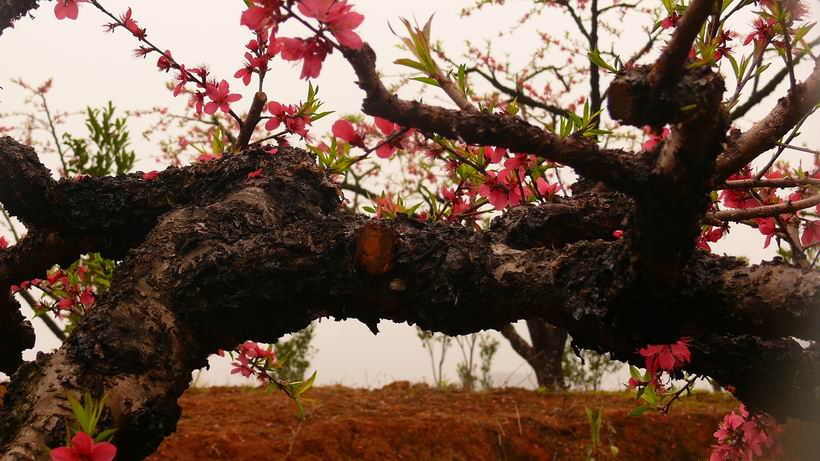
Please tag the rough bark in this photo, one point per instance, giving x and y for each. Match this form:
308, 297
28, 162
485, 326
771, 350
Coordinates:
267, 256
12, 10
211, 257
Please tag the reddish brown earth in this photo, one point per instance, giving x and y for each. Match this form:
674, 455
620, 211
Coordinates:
414, 422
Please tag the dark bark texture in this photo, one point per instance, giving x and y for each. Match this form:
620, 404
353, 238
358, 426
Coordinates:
258, 258
12, 10
211, 257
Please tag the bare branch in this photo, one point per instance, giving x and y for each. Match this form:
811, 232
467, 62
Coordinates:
765, 134
614, 167
775, 183
767, 211
669, 65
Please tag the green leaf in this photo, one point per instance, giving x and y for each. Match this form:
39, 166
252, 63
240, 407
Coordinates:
637, 411
427, 80
410, 63
595, 58
105, 435
634, 372
79, 412
650, 395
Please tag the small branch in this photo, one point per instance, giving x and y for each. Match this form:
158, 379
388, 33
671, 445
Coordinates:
667, 68
766, 133
258, 104
767, 211
759, 94
788, 44
802, 149
615, 167
771, 183
519, 95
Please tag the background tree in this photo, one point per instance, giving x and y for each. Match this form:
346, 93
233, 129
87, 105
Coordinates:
620, 261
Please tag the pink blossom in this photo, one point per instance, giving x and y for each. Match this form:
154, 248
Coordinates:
767, 227
254, 17
221, 97
132, 26
255, 174
545, 188
261, 15
345, 131
671, 20
741, 436
3, 243
182, 80
197, 101
654, 139
666, 357
83, 448
763, 30
388, 129
496, 192
495, 154
339, 18
150, 176
811, 233
67, 9
618, 233
165, 61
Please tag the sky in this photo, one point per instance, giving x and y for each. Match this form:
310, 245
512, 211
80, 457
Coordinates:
91, 67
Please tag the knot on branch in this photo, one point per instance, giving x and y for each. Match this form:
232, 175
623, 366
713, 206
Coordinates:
635, 100
376, 245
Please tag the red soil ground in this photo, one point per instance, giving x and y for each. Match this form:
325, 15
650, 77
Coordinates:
414, 422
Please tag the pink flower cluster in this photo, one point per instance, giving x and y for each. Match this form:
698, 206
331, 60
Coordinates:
394, 135
294, 121
662, 357
251, 359
710, 235
507, 187
739, 199
742, 435
72, 297
666, 357
334, 16
83, 448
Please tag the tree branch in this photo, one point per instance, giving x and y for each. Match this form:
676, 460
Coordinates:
267, 256
765, 134
614, 167
669, 64
767, 211
12, 10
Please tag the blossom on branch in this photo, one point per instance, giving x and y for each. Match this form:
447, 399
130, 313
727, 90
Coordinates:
83, 448
221, 98
67, 9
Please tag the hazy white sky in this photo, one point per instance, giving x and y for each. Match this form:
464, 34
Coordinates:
91, 67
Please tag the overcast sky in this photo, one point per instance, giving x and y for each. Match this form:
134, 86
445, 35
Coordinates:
90, 67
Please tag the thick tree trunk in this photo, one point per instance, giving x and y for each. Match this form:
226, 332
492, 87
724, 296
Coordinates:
211, 257
258, 258
544, 355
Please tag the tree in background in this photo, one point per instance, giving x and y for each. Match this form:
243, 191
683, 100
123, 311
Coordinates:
296, 353
564, 216
437, 345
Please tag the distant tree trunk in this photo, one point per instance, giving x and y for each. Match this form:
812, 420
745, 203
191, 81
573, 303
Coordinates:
544, 354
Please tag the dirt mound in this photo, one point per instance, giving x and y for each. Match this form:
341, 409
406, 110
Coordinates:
414, 422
